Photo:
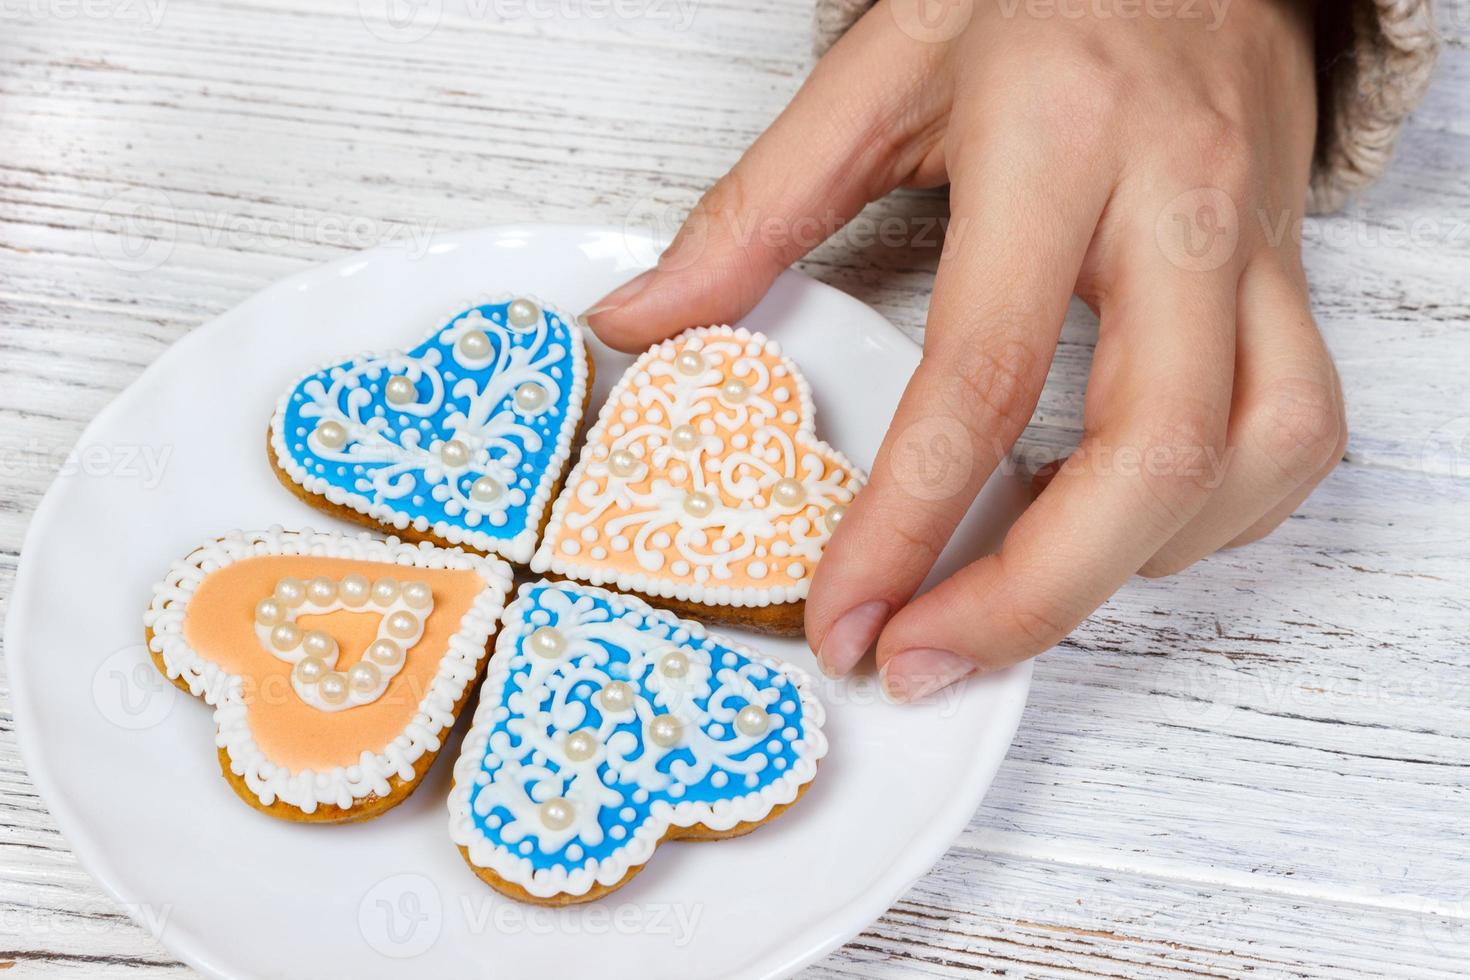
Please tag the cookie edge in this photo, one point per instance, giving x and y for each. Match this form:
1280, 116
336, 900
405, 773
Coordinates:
187, 669
693, 596
689, 820
518, 549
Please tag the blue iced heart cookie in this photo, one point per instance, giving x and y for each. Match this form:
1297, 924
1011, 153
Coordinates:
461, 439
606, 726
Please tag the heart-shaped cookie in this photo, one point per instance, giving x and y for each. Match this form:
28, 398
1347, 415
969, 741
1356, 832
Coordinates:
335, 663
703, 485
461, 441
605, 727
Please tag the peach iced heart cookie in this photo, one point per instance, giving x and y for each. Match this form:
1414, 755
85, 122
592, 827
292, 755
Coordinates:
335, 663
703, 485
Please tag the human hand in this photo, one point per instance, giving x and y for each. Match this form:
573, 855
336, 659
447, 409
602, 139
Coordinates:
1152, 166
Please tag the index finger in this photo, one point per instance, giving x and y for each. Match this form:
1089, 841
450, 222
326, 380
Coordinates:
1020, 230
843, 141
1132, 484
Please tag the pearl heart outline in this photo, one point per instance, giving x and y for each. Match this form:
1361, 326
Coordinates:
403, 610
703, 479
461, 438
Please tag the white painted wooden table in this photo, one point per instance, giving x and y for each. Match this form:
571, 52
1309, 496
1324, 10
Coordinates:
1257, 768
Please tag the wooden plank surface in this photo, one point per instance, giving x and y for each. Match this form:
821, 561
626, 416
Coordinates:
1257, 768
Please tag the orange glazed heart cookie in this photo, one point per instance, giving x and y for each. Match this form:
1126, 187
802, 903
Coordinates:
335, 663
703, 485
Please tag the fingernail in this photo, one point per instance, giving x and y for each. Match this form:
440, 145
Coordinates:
851, 636
915, 674
621, 295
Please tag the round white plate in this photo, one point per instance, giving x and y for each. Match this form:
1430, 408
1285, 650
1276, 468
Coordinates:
127, 763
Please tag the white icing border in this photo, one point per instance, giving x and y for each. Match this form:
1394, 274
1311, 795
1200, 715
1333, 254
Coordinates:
343, 785
719, 816
517, 549
547, 559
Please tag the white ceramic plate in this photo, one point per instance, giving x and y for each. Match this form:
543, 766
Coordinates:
127, 764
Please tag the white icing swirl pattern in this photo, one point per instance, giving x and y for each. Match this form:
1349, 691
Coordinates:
603, 723
462, 436
703, 478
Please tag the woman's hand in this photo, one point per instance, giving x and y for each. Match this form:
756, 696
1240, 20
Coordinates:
1156, 166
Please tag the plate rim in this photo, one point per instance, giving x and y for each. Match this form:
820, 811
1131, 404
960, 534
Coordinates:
781, 960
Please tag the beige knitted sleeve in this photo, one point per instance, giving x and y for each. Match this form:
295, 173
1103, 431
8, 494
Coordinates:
1374, 61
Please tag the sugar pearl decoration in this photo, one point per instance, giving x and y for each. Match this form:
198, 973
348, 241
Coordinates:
751, 720
684, 438
333, 688
557, 813
665, 730
309, 670
385, 653
834, 515
788, 493
581, 746
269, 612
321, 590
354, 590
291, 592
616, 696
734, 391
673, 664
385, 591
318, 644
522, 313
403, 624
485, 490
474, 345
699, 505
454, 453
547, 641
364, 677
331, 434
622, 463
689, 362
531, 397
400, 391
285, 637
417, 594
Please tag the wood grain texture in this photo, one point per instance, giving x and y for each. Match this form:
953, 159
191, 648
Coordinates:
1257, 768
